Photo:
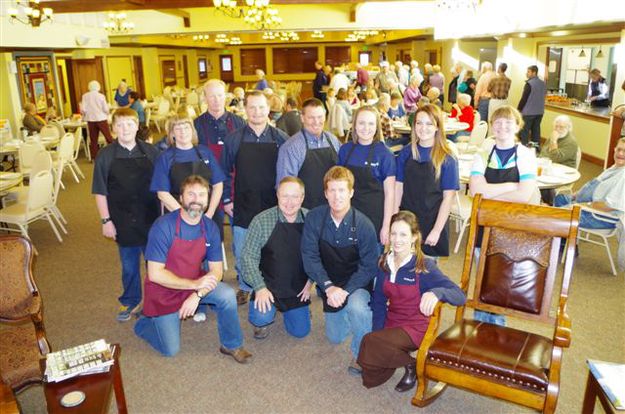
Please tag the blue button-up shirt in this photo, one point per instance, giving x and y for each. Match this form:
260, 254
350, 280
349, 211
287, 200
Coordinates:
342, 236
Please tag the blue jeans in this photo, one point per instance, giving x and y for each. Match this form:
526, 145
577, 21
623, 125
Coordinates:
484, 316
531, 124
356, 318
296, 321
482, 108
163, 332
130, 258
586, 219
238, 240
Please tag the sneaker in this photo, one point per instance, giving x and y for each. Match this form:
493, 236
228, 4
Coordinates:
354, 369
199, 317
242, 297
124, 314
261, 332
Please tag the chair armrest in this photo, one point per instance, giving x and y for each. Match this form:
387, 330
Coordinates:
598, 214
562, 334
429, 337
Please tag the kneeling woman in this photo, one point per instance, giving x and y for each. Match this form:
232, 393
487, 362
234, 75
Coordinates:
407, 289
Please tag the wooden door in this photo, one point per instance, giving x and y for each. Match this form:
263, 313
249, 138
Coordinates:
185, 70
225, 68
83, 72
139, 79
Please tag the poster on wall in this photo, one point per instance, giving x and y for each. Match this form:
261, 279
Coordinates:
39, 92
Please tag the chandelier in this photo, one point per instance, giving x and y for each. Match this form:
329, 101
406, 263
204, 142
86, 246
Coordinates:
34, 13
223, 38
317, 34
117, 23
358, 35
258, 13
201, 38
282, 36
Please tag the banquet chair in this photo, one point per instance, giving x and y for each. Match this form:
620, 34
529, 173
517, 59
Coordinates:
65, 153
461, 213
23, 336
41, 162
37, 206
475, 140
338, 122
26, 154
517, 277
193, 100
162, 114
50, 131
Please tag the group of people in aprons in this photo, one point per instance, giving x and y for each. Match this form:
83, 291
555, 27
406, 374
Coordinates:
245, 163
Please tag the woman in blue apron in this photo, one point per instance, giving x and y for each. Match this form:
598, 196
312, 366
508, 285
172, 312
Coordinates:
427, 180
506, 173
373, 166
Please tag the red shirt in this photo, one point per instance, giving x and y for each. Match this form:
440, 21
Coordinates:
466, 115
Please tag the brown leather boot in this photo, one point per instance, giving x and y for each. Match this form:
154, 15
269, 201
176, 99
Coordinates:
409, 380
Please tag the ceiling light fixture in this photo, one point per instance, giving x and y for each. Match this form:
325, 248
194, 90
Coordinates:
117, 23
359, 35
256, 13
317, 34
201, 38
34, 14
582, 53
599, 53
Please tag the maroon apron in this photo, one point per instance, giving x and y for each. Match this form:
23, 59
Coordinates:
184, 259
403, 309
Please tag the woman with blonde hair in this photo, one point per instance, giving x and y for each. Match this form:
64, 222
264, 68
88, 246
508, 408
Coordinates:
427, 179
408, 287
373, 166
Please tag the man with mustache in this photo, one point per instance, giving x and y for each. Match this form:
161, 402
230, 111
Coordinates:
184, 270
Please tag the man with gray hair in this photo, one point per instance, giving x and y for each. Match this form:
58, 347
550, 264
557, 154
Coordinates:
383, 78
95, 111
562, 146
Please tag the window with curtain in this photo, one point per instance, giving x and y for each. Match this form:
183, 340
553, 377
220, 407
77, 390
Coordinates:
294, 59
252, 59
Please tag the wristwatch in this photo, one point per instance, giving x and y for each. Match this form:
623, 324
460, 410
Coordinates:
199, 295
105, 220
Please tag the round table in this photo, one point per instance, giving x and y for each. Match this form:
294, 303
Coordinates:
9, 180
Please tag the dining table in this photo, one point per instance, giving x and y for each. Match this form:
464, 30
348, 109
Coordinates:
9, 180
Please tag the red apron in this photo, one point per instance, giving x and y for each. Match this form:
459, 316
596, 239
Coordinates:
403, 309
184, 259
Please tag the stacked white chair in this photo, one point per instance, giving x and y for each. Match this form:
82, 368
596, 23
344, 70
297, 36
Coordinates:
26, 153
50, 131
475, 140
162, 114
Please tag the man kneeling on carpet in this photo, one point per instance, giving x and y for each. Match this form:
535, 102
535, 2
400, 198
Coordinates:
178, 280
408, 287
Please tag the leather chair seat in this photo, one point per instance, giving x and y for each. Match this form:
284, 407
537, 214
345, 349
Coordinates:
19, 359
512, 357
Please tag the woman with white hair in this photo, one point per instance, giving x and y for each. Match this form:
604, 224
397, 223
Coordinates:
95, 111
262, 84
562, 146
122, 95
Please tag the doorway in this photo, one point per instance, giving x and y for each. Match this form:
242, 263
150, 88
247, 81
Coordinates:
137, 62
225, 68
82, 72
185, 70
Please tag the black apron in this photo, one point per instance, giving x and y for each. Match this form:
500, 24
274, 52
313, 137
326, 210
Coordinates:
423, 196
132, 206
282, 266
255, 180
179, 172
498, 176
368, 191
316, 164
340, 262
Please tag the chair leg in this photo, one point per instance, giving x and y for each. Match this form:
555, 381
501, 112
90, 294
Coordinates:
71, 169
59, 215
465, 222
54, 229
607, 248
75, 166
424, 397
53, 213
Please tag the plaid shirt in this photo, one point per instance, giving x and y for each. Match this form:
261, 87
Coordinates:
387, 127
499, 87
258, 234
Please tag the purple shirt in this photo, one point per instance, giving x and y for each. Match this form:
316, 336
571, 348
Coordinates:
411, 97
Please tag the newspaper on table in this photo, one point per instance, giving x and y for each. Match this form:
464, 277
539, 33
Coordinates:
91, 358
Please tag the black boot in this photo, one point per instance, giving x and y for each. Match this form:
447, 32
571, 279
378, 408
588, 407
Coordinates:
408, 381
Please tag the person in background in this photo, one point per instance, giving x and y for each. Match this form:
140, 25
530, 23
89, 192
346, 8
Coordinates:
95, 111
261, 84
272, 264
330, 98
433, 95
339, 250
51, 113
275, 104
135, 104
122, 95
236, 103
320, 83
185, 268
561, 147
414, 70
341, 99
382, 80
32, 121
249, 161
499, 89
309, 154
508, 173
454, 83
127, 207
620, 112
291, 119
362, 77
598, 90
482, 95
339, 80
437, 80
371, 97
352, 97
532, 107
396, 109
412, 94
408, 287
463, 112
403, 75
383, 105
427, 180
373, 166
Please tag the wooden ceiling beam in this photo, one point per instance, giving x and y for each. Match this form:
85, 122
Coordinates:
86, 6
